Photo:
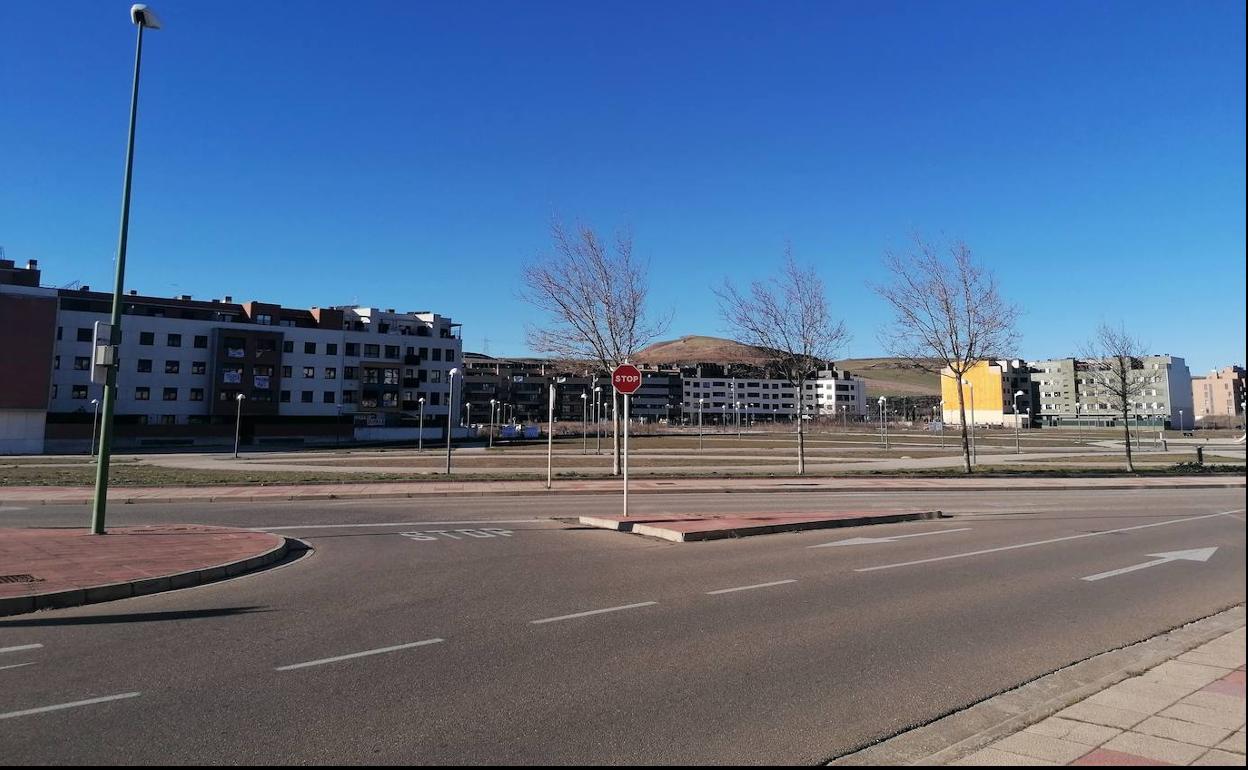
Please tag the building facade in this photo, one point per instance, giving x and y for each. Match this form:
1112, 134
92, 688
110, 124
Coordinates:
1218, 394
302, 373
725, 399
991, 395
1069, 393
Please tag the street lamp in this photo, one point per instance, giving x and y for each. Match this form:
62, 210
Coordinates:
598, 417
883, 425
142, 17
1163, 423
584, 423
95, 402
968, 384
738, 419
420, 435
1016, 395
238, 423
1079, 420
450, 410
700, 424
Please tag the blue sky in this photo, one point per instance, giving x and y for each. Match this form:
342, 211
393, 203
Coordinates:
411, 155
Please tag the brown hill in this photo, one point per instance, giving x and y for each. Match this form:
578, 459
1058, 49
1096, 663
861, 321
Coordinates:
883, 376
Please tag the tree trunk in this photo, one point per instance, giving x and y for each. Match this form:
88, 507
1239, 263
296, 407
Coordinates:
801, 434
1126, 430
966, 442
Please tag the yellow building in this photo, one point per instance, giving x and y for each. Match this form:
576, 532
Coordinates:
990, 394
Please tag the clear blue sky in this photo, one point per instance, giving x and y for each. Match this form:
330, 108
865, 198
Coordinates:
411, 155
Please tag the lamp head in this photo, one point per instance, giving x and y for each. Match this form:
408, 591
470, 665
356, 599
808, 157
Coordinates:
143, 16
240, 397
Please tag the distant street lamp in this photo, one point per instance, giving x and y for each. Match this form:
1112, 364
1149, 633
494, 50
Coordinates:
1016, 395
420, 433
1079, 421
94, 420
738, 419
491, 439
700, 424
1181, 423
450, 410
584, 423
598, 417
238, 423
883, 425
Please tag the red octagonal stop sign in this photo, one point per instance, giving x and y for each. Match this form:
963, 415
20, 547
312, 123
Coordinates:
626, 378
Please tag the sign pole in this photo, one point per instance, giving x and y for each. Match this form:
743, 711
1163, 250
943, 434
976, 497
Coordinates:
626, 419
550, 438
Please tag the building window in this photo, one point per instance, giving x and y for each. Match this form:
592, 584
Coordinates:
284, 397
86, 335
450, 355
306, 396
389, 399
309, 372
353, 348
198, 367
201, 340
437, 376
424, 353
262, 371
437, 354
348, 396
145, 338
232, 374
197, 394
171, 394
331, 373
143, 365
372, 351
434, 398
350, 373
78, 392
309, 348
371, 377
142, 394
286, 371
265, 346
81, 363
328, 397
168, 419
264, 319
288, 346
174, 340
227, 395
331, 348
171, 367
392, 351
390, 376
235, 347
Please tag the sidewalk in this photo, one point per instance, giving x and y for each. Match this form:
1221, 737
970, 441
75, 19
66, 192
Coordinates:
44, 568
399, 489
1186, 711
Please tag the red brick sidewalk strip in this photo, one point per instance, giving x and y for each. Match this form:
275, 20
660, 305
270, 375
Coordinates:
42, 568
683, 528
402, 489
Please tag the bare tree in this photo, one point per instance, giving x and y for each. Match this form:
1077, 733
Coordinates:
593, 294
948, 315
787, 318
1114, 365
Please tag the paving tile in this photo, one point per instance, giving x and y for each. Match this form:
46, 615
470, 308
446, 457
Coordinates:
1151, 746
1179, 673
1103, 715
1204, 716
1108, 758
1179, 730
1234, 743
1225, 687
1074, 731
1124, 699
1228, 704
991, 757
1218, 758
1223, 658
1043, 747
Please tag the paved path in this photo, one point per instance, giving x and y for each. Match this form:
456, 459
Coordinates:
1186, 711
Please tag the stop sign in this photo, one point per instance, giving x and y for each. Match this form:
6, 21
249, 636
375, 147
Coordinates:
626, 378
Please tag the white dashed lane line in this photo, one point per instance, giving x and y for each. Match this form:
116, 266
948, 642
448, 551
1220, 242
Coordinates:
20, 647
352, 655
749, 588
592, 612
74, 704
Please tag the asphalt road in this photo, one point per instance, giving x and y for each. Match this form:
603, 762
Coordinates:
815, 651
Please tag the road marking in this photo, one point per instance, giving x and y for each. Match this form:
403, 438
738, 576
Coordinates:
1196, 554
870, 540
20, 647
401, 524
593, 612
1044, 542
484, 532
747, 588
75, 704
366, 653
16, 665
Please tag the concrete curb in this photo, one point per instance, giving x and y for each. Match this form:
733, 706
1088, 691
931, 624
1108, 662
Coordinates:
657, 530
1238, 482
967, 730
75, 597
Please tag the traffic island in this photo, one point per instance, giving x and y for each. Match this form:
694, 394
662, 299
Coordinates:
51, 568
684, 528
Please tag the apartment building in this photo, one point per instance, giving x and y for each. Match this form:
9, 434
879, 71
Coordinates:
1218, 394
302, 373
1068, 393
990, 395
829, 393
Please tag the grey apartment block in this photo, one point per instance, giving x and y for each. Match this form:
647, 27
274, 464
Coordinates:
1068, 393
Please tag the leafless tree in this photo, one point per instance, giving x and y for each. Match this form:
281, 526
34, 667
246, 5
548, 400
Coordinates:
948, 315
1113, 362
787, 318
594, 294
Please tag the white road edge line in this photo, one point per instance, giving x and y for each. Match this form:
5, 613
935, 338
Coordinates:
593, 612
20, 647
399, 524
16, 665
366, 653
1045, 542
75, 704
887, 538
747, 588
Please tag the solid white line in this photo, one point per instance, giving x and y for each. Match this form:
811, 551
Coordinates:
377, 651
21, 647
886, 538
400, 524
747, 588
1045, 542
593, 612
16, 665
59, 706
1125, 570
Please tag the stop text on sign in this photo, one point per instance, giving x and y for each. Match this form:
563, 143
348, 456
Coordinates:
626, 378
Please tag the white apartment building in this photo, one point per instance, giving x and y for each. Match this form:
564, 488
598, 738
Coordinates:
721, 399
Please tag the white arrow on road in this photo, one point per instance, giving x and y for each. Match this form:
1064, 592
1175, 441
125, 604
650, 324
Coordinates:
870, 540
1195, 554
